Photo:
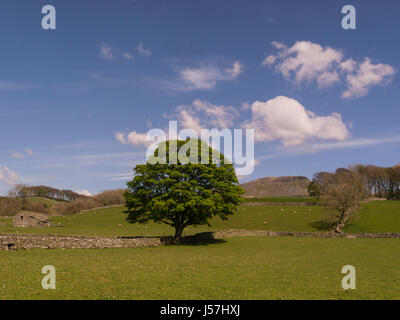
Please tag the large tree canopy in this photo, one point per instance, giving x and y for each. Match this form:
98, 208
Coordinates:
182, 194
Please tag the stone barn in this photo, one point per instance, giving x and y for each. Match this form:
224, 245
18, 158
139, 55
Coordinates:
28, 219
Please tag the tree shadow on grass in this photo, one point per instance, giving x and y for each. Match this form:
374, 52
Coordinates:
205, 242
199, 239
323, 225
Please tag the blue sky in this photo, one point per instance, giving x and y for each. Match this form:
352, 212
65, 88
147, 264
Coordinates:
128, 66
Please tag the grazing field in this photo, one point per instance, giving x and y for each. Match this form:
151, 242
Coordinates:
233, 268
376, 216
238, 268
111, 222
46, 201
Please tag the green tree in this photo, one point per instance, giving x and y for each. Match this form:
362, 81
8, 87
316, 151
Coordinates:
182, 194
342, 192
312, 189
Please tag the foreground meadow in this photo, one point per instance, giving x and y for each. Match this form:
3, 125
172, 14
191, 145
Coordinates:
235, 268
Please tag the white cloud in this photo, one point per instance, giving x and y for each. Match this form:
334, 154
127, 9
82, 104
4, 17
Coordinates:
271, 59
8, 176
357, 143
271, 20
206, 77
202, 114
143, 51
281, 118
6, 85
106, 52
127, 56
134, 138
120, 176
366, 76
29, 151
279, 45
84, 192
19, 155
236, 69
348, 65
16, 155
201, 78
198, 115
306, 62
137, 138
285, 119
120, 137
328, 78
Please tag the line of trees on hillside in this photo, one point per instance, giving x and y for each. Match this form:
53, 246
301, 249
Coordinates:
379, 182
23, 191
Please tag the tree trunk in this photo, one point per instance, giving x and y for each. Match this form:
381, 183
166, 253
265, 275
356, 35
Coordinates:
341, 223
178, 233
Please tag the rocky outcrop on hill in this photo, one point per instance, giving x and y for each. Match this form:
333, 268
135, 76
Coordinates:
276, 187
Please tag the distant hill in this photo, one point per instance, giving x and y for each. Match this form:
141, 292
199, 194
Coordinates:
276, 187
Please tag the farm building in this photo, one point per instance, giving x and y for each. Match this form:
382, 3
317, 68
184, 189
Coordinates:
28, 219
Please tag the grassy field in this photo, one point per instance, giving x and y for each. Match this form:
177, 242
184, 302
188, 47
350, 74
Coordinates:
46, 201
376, 216
233, 268
238, 268
111, 222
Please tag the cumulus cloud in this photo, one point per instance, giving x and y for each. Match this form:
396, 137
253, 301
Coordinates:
196, 116
8, 176
279, 119
203, 114
306, 62
84, 192
120, 137
366, 76
133, 137
106, 52
143, 51
206, 77
285, 119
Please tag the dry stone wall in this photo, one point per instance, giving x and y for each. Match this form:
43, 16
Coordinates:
16, 242
277, 204
27, 242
